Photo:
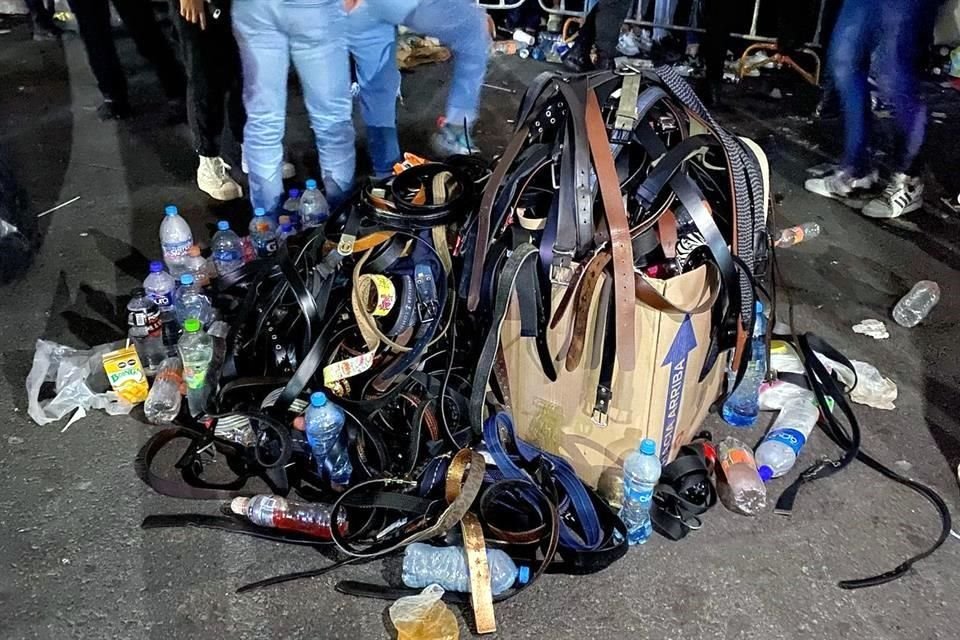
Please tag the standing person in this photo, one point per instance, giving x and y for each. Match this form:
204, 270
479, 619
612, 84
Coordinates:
892, 30
373, 47
314, 34
93, 20
462, 26
214, 88
41, 17
601, 28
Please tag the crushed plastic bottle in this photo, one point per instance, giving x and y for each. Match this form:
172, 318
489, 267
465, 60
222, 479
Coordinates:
226, 249
199, 267
263, 233
641, 471
196, 351
144, 330
310, 518
163, 401
778, 452
324, 421
914, 307
424, 565
175, 237
424, 617
795, 235
739, 485
741, 407
313, 206
291, 208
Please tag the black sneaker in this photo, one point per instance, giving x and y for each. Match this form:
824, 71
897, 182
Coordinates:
113, 110
902, 195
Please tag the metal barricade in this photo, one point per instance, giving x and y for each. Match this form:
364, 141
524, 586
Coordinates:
562, 10
500, 5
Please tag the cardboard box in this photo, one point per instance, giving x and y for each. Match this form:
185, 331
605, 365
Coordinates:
661, 399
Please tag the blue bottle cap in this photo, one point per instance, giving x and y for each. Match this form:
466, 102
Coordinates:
311, 184
294, 193
286, 227
259, 211
223, 225
759, 307
186, 279
156, 267
523, 575
171, 210
318, 399
648, 447
766, 473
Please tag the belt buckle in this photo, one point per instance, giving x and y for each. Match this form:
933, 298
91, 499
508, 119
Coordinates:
345, 246
561, 273
602, 406
427, 310
553, 175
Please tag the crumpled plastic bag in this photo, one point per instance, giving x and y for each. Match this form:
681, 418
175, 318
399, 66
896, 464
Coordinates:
424, 617
79, 379
873, 328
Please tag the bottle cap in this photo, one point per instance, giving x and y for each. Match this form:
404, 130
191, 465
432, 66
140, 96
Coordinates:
284, 220
139, 292
156, 267
259, 211
186, 279
192, 325
171, 210
223, 225
311, 184
294, 193
523, 575
318, 399
759, 307
239, 505
766, 473
648, 447
286, 227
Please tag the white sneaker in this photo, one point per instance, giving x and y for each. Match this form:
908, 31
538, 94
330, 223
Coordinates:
841, 186
287, 171
214, 179
903, 195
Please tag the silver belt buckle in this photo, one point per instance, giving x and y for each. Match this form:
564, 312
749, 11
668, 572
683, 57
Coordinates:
561, 273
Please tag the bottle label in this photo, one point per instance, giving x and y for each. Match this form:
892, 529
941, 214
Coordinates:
164, 300
267, 248
227, 256
176, 249
737, 456
194, 376
149, 320
790, 437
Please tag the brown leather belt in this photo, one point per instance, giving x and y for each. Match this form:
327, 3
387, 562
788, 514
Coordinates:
582, 312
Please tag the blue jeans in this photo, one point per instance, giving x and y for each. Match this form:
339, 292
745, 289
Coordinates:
373, 46
313, 33
460, 25
891, 30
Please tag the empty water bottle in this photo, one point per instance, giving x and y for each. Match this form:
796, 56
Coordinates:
263, 233
323, 422
291, 207
160, 286
778, 452
915, 306
226, 249
163, 402
191, 302
641, 471
796, 235
196, 352
739, 484
286, 230
175, 237
742, 407
144, 329
310, 518
424, 565
199, 267
313, 206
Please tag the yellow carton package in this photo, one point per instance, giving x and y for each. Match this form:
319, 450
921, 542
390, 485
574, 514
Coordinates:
126, 374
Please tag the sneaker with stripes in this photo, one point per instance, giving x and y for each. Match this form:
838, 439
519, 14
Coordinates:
902, 195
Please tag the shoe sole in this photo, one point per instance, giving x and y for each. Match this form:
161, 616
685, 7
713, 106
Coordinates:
910, 208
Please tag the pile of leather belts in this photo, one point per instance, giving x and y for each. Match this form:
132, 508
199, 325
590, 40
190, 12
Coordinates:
394, 308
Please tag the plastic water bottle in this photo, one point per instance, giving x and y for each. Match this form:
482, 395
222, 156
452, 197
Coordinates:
424, 565
175, 237
163, 402
915, 306
313, 206
291, 207
641, 471
159, 286
196, 352
778, 452
740, 487
143, 322
796, 235
286, 230
263, 233
742, 407
199, 267
324, 421
192, 303
312, 519
226, 249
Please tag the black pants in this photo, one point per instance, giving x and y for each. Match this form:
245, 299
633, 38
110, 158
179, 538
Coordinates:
40, 10
214, 80
602, 27
93, 19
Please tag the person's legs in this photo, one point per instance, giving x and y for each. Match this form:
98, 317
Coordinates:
663, 13
42, 18
138, 17
374, 51
610, 17
265, 54
93, 21
318, 45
